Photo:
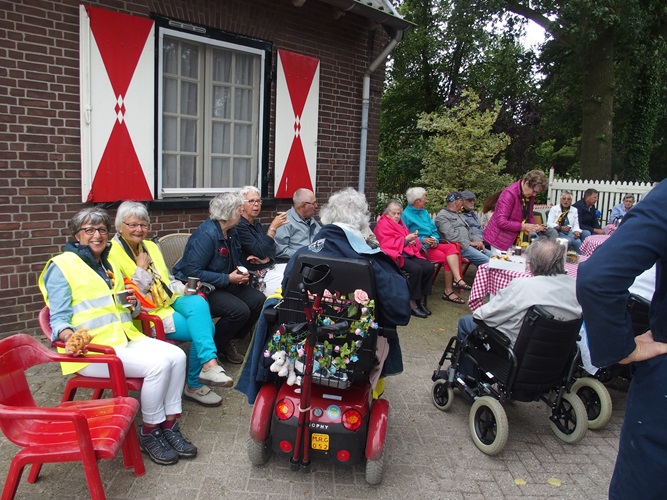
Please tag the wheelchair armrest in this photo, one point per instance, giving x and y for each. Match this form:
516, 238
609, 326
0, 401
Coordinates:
495, 335
387, 332
271, 315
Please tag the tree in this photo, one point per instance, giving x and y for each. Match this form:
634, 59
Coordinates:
462, 151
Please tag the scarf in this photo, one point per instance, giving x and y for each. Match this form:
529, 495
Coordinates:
159, 291
562, 217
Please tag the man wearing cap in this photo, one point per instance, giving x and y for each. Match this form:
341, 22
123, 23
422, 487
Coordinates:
470, 216
454, 228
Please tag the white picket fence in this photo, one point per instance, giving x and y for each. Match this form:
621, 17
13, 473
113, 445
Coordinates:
610, 192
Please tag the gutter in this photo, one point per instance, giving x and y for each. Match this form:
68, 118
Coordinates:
365, 104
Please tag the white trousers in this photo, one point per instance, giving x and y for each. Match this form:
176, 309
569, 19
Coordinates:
161, 365
274, 278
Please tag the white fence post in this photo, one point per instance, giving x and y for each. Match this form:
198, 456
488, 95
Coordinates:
610, 193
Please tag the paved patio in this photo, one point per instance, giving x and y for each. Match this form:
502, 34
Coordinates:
429, 454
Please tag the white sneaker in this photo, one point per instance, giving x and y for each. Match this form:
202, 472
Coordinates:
203, 396
215, 376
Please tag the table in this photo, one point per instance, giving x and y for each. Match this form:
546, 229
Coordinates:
610, 228
490, 281
592, 242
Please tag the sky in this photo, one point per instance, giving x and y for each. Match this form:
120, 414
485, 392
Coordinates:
534, 34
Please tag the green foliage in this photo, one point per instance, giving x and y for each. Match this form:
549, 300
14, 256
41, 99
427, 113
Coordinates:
462, 151
564, 159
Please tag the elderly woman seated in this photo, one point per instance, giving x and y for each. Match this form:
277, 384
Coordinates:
213, 254
419, 221
405, 248
80, 287
185, 315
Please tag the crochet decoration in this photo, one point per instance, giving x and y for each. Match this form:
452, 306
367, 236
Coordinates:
331, 357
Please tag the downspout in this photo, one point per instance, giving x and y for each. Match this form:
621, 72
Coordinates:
365, 104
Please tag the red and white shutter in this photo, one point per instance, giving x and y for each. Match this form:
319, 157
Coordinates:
117, 80
297, 102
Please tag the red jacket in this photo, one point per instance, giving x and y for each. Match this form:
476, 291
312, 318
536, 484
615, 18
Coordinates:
505, 224
391, 237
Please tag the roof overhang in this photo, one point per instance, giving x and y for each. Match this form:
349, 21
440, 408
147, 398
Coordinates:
380, 11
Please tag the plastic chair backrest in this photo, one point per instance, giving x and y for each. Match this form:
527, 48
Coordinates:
18, 353
172, 247
538, 218
544, 351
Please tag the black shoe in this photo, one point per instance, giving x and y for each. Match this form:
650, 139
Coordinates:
424, 309
156, 447
416, 311
231, 354
183, 447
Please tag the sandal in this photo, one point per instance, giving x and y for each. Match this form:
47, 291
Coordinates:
462, 284
447, 297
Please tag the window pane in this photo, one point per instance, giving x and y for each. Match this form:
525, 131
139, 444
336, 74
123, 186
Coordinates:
243, 105
244, 69
220, 140
170, 56
188, 171
241, 172
170, 133
170, 97
169, 171
220, 172
189, 60
221, 102
242, 139
222, 66
189, 98
189, 135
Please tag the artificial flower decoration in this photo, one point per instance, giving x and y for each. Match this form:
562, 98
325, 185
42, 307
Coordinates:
331, 357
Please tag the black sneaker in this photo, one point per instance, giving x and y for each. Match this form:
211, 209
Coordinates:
156, 447
183, 447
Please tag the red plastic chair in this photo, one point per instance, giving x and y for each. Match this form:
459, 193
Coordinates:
72, 431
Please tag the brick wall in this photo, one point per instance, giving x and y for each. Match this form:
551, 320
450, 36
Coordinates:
40, 179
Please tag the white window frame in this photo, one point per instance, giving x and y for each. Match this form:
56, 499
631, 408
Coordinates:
258, 154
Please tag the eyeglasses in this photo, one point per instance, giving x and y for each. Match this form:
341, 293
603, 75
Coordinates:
91, 230
254, 202
134, 226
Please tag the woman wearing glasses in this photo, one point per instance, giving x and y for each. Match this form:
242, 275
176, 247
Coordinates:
185, 315
213, 254
80, 287
258, 249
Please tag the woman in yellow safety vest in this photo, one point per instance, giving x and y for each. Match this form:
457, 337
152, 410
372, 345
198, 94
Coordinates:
185, 315
80, 287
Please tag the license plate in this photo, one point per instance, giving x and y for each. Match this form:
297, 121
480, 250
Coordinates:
319, 441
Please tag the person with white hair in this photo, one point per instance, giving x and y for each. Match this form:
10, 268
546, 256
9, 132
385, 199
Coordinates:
345, 219
213, 254
619, 211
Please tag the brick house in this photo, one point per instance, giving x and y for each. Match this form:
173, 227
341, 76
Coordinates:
171, 102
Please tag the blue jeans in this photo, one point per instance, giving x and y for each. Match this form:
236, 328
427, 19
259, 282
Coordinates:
192, 319
475, 256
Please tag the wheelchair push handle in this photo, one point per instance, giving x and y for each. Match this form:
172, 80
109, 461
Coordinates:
323, 332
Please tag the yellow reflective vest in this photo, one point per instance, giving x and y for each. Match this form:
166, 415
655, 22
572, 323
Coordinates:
128, 266
94, 305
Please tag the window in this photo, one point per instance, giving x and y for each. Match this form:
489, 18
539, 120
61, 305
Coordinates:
212, 104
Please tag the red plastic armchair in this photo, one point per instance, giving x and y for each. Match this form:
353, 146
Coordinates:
98, 385
85, 431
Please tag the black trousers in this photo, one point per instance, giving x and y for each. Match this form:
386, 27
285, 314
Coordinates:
420, 276
238, 307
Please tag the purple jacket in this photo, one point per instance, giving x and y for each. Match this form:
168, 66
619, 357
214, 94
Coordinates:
505, 224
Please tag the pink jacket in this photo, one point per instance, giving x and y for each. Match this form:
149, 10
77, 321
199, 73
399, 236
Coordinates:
391, 237
505, 225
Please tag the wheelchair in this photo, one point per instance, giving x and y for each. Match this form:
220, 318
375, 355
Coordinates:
333, 417
540, 366
591, 387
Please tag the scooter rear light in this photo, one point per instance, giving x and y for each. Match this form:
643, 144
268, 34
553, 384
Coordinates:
286, 446
343, 455
352, 420
284, 409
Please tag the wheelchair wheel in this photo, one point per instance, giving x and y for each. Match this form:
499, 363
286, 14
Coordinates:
259, 452
442, 394
488, 425
374, 470
596, 399
569, 421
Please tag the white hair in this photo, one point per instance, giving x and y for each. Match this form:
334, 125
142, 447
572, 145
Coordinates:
415, 193
347, 206
222, 206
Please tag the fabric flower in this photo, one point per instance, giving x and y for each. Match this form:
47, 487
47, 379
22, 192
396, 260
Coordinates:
361, 297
